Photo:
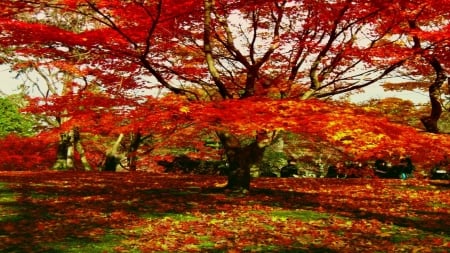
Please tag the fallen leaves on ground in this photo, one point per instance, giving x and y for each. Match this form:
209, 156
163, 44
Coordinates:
143, 212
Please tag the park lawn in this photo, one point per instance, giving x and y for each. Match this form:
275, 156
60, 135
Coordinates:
143, 212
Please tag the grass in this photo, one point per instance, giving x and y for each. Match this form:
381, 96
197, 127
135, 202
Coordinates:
172, 216
138, 212
109, 242
303, 215
8, 209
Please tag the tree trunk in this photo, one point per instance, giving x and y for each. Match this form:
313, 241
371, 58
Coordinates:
83, 158
431, 122
68, 144
71, 150
61, 155
241, 158
112, 157
132, 149
208, 48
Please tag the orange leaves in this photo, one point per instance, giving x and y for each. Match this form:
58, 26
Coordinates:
362, 134
248, 115
130, 46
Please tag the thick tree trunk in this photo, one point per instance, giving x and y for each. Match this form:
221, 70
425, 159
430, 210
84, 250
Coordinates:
68, 144
112, 159
431, 122
241, 158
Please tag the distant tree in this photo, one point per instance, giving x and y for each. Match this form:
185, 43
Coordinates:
12, 120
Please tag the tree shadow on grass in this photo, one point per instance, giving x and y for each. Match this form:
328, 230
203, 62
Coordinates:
404, 212
59, 212
89, 212
79, 210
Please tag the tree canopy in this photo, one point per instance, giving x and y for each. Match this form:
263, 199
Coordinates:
154, 69
222, 49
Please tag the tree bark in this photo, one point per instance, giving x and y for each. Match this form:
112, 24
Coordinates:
69, 143
208, 49
241, 158
431, 122
84, 161
61, 155
136, 140
112, 157
71, 150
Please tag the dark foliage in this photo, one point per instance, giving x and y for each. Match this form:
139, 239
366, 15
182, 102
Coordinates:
289, 170
185, 164
402, 170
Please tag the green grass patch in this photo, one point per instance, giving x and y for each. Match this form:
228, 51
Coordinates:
438, 204
205, 243
303, 215
9, 212
402, 235
173, 216
109, 242
397, 234
40, 195
6, 195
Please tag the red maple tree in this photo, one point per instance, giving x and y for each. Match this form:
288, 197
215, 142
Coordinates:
233, 67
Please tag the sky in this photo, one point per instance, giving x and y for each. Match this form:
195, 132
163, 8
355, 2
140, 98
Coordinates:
8, 85
377, 92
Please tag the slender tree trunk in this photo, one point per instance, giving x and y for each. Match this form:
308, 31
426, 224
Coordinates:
112, 157
71, 150
208, 48
240, 159
132, 149
83, 158
431, 122
61, 155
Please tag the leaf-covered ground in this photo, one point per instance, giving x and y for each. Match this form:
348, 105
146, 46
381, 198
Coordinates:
141, 212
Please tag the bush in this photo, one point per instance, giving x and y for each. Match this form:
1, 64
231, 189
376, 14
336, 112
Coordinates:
26, 153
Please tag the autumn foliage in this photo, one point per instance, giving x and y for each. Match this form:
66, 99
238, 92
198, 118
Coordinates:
24, 153
168, 75
132, 85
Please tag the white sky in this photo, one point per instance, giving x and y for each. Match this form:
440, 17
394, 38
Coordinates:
7, 82
377, 92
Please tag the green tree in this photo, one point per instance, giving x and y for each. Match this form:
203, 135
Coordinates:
12, 120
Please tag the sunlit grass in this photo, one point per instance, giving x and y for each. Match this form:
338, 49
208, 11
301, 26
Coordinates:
304, 215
